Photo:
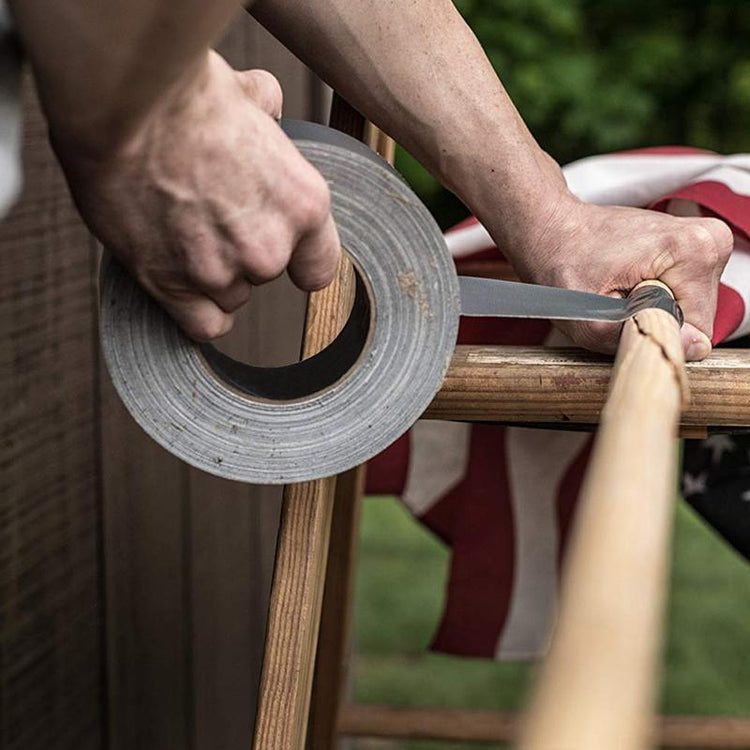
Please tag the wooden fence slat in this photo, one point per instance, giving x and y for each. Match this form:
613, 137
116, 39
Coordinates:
51, 689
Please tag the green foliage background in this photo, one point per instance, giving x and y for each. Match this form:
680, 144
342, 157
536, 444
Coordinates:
591, 76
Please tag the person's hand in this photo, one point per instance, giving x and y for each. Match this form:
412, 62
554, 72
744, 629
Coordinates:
207, 198
609, 250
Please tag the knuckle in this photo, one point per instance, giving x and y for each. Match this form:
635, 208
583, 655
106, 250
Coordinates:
706, 245
567, 276
263, 88
270, 91
274, 95
267, 265
318, 278
314, 201
208, 327
702, 235
210, 274
724, 236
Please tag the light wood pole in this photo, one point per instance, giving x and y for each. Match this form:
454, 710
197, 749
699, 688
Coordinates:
598, 685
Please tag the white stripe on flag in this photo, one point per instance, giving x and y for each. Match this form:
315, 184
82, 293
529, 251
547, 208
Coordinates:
736, 275
627, 180
537, 462
634, 180
438, 458
468, 240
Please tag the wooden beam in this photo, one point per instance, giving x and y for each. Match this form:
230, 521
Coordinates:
598, 685
329, 687
304, 533
301, 557
568, 386
463, 725
294, 616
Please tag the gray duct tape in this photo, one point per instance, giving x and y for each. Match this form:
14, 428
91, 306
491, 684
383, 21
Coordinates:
335, 410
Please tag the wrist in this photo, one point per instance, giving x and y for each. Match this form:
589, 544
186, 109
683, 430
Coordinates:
120, 124
518, 200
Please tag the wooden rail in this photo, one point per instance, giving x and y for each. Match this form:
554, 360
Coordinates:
569, 386
464, 725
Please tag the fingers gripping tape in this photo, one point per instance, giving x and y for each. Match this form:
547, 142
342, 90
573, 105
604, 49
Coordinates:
335, 410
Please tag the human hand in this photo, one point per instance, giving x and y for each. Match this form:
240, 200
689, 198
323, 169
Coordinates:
609, 250
206, 198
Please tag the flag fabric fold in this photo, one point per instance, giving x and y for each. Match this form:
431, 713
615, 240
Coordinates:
502, 498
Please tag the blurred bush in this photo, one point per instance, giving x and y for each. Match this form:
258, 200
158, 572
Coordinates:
591, 76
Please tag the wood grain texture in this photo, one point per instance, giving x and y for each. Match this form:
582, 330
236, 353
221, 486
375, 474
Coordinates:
294, 616
334, 642
334, 647
51, 692
567, 385
463, 725
599, 682
304, 534
299, 574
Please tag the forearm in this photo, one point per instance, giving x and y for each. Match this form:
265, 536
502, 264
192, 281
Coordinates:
101, 66
418, 71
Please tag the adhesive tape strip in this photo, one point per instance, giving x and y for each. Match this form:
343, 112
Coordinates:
328, 413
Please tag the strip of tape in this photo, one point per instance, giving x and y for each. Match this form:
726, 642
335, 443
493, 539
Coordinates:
335, 410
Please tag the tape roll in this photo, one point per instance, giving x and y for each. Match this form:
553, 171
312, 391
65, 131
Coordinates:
335, 410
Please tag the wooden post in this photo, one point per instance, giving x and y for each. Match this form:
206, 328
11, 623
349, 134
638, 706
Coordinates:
598, 685
329, 689
299, 575
334, 643
304, 534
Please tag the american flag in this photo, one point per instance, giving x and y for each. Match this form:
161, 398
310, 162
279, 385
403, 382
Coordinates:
503, 498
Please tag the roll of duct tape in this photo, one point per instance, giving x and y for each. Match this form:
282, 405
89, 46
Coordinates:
330, 412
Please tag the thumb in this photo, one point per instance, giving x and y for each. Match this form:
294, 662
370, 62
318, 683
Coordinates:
264, 89
695, 343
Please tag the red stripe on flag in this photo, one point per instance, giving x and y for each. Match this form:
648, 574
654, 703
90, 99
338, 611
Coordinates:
503, 331
469, 221
440, 517
717, 198
386, 472
730, 311
481, 575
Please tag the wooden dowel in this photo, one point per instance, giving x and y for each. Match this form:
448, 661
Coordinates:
463, 725
598, 685
541, 385
379, 141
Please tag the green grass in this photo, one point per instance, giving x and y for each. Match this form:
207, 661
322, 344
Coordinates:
400, 587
